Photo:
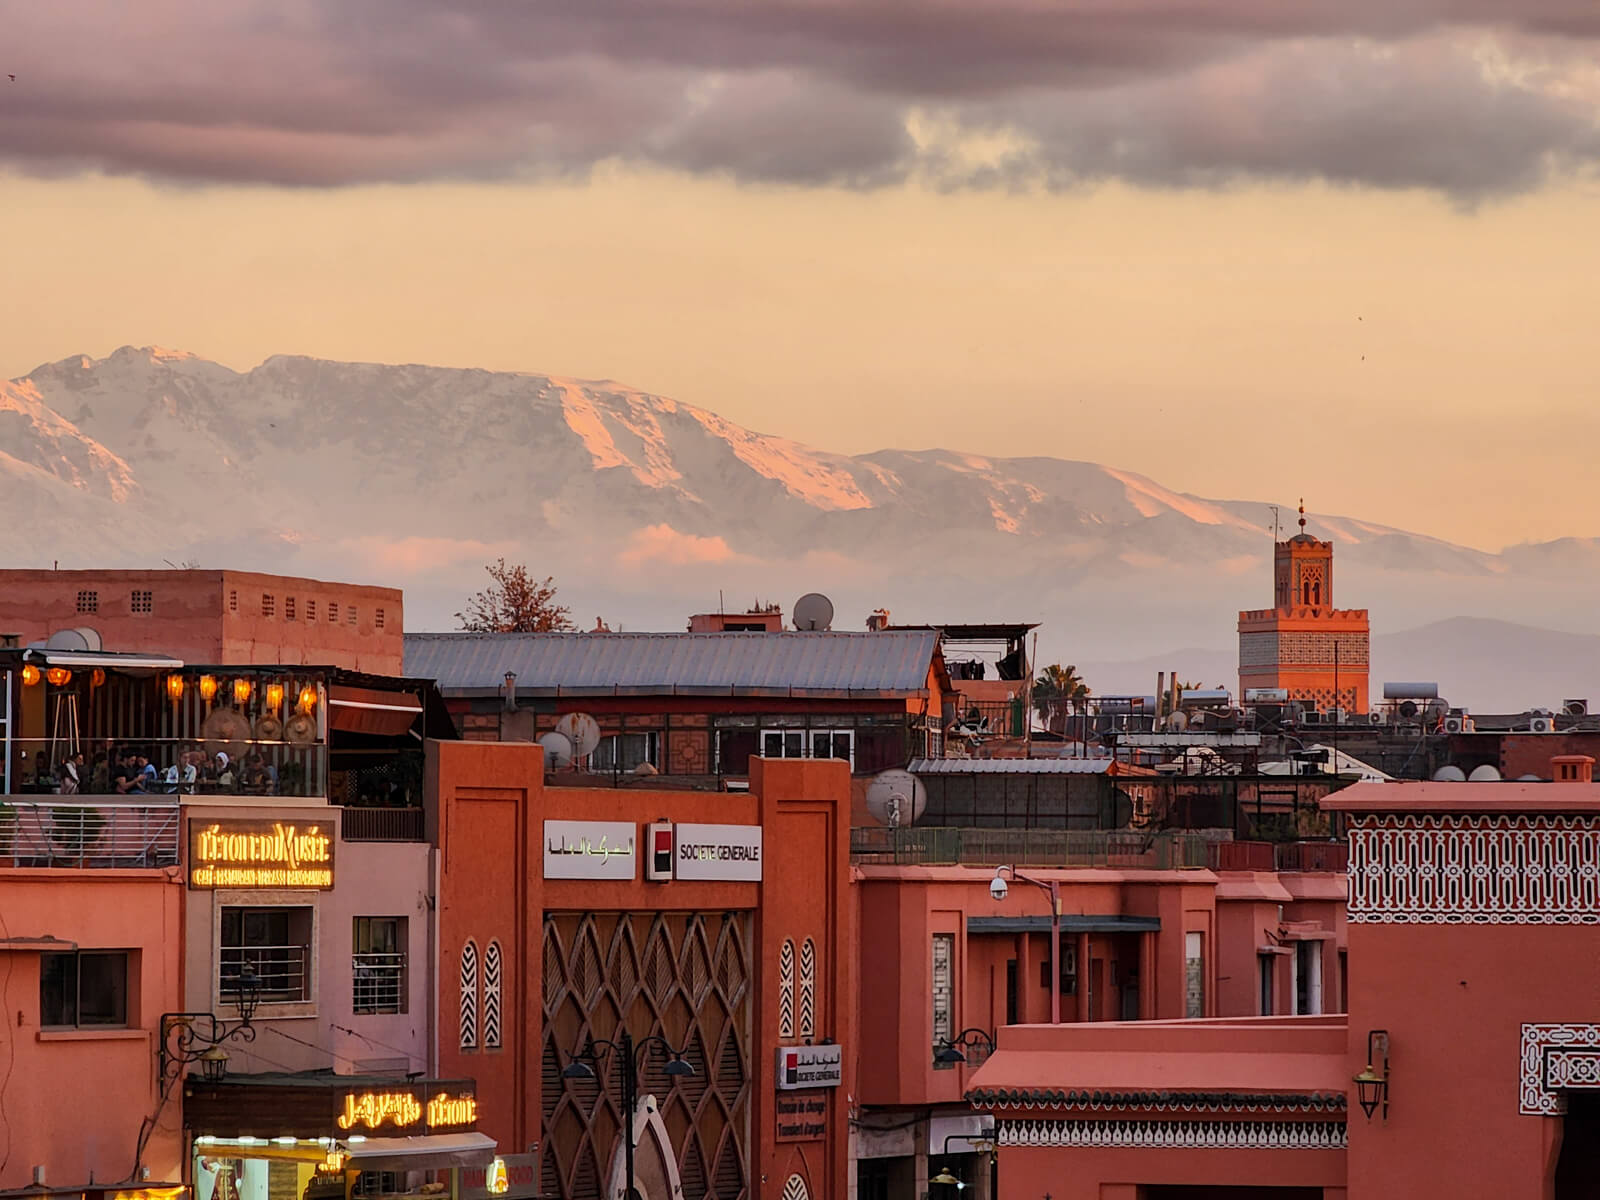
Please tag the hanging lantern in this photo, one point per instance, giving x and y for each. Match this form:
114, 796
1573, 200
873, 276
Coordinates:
274, 697
30, 674
58, 676
175, 688
308, 698
97, 678
241, 691
208, 688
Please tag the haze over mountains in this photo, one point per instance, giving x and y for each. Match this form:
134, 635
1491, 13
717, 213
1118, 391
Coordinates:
644, 507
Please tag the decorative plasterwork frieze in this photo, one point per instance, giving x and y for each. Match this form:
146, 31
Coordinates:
1556, 1057
1163, 1101
1176, 1135
1465, 870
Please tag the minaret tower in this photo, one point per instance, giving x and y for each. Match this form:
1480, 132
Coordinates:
1303, 644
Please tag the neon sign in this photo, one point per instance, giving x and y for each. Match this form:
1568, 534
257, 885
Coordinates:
406, 1110
260, 854
370, 1110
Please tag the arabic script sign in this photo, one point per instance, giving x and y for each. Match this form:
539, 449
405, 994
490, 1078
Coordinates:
406, 1110
719, 852
590, 850
810, 1067
261, 854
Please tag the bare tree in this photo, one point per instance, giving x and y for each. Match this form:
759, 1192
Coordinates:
515, 602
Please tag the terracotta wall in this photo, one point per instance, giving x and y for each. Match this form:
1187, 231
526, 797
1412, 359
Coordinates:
72, 1101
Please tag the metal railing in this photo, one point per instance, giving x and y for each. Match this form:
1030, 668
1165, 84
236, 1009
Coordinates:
384, 824
1314, 856
280, 970
1241, 856
946, 846
182, 766
378, 982
89, 835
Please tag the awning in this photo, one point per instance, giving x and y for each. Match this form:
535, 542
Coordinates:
429, 1152
367, 710
44, 941
1070, 923
89, 658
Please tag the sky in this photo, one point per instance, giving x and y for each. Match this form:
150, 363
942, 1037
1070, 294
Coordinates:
1251, 249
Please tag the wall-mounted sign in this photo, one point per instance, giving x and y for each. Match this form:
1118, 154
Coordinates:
719, 852
261, 854
590, 850
658, 848
520, 1172
810, 1067
802, 1117
406, 1110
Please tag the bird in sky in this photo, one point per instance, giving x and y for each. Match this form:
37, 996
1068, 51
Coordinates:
13, 78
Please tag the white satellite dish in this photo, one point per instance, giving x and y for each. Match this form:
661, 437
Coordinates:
1177, 722
896, 798
1450, 774
1487, 773
813, 611
557, 751
581, 731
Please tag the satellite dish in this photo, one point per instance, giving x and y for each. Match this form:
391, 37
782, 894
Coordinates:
1450, 774
1408, 709
581, 731
1437, 711
1487, 773
813, 611
1177, 723
557, 751
896, 798
73, 639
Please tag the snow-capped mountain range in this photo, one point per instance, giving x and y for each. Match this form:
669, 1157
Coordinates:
644, 507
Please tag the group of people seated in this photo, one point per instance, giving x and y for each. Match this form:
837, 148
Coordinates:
129, 771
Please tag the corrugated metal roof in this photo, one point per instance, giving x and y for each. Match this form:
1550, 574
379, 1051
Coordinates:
843, 665
1010, 766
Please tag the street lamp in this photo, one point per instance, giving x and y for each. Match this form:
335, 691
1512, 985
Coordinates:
197, 1037
1372, 1085
998, 891
582, 1067
950, 1051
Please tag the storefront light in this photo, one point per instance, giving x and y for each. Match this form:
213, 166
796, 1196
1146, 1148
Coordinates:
241, 691
30, 674
208, 688
286, 1141
308, 698
275, 697
174, 688
58, 676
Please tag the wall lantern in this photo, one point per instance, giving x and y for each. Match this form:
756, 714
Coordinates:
497, 1180
58, 676
97, 678
308, 698
30, 674
948, 1180
241, 691
208, 688
214, 1064
1372, 1085
274, 697
175, 688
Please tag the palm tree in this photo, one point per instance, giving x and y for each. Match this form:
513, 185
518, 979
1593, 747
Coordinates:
1054, 691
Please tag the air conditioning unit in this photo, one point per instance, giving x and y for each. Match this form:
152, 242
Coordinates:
1542, 725
1311, 717
1575, 708
1455, 724
1335, 716
1377, 718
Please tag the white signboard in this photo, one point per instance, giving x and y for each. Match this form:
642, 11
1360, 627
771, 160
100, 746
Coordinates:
590, 850
810, 1067
718, 852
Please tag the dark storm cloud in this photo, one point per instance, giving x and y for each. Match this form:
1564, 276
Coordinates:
1469, 97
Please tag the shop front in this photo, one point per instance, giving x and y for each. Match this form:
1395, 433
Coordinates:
320, 1136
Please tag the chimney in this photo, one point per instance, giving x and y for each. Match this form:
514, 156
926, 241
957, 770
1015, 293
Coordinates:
878, 620
508, 693
1572, 768
38, 1177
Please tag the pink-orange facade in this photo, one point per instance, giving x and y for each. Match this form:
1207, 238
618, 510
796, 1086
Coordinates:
214, 617
554, 941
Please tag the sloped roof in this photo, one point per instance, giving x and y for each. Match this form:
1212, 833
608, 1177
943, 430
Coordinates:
886, 664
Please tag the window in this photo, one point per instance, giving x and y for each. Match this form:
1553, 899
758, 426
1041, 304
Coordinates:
944, 953
350, 615
809, 743
333, 612
1194, 975
141, 602
378, 965
469, 995
492, 970
1307, 978
783, 743
1265, 963
83, 989
269, 605
377, 618
288, 608
626, 752
88, 602
311, 610
275, 943
233, 600
834, 743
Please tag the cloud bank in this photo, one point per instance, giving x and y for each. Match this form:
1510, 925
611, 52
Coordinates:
1473, 98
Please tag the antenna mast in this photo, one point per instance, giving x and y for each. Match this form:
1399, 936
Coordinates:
1277, 527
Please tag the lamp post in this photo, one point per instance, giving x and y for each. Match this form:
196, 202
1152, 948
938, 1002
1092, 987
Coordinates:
582, 1067
952, 1050
1051, 888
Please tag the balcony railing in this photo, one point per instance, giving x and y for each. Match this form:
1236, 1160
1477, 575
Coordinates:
384, 824
379, 982
1313, 856
1242, 856
280, 970
88, 835
946, 846
182, 767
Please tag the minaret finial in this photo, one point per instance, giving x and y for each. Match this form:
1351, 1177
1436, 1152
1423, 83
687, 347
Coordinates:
1302, 514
